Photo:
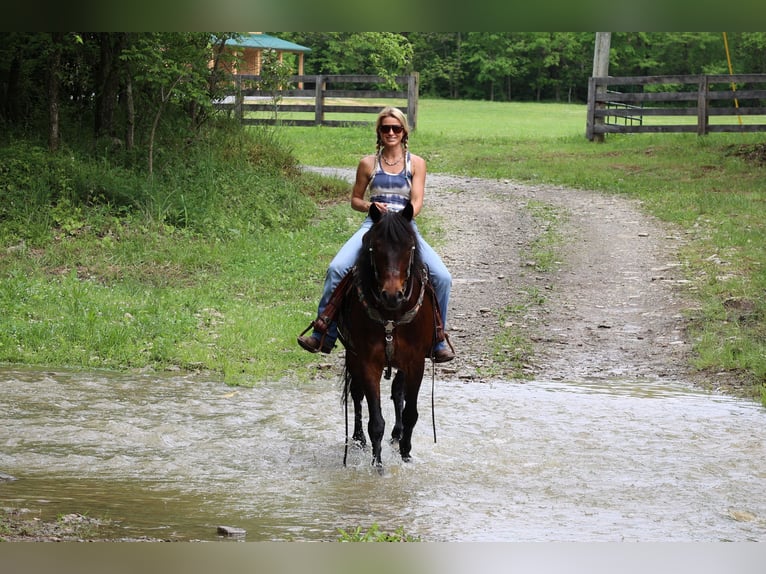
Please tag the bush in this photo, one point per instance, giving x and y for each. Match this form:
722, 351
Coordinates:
228, 182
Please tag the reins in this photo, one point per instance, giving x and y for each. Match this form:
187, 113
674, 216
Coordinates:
389, 325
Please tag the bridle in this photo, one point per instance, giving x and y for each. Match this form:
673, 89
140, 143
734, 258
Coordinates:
376, 294
389, 325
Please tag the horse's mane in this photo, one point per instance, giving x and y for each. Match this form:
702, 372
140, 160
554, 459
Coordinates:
395, 230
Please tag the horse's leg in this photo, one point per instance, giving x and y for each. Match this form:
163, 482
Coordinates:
410, 412
357, 395
397, 396
376, 425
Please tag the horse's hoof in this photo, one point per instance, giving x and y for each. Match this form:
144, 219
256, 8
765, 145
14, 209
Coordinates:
406, 458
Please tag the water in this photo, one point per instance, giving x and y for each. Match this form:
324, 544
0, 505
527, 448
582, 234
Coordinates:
174, 457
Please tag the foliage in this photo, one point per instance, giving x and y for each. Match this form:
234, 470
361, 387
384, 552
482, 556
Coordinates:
525, 66
386, 54
275, 77
124, 85
195, 269
375, 534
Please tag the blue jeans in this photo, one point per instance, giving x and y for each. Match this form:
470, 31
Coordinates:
344, 260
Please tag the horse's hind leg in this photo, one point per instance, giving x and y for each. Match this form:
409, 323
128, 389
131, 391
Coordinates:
357, 394
397, 396
409, 415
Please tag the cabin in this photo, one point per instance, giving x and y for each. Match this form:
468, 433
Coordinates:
249, 48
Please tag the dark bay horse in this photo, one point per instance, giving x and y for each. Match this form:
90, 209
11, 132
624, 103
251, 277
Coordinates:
387, 322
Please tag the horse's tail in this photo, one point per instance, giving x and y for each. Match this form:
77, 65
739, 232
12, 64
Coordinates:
346, 384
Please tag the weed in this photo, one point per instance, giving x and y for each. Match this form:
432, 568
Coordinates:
375, 534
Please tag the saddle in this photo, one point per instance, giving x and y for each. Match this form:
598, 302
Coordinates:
322, 323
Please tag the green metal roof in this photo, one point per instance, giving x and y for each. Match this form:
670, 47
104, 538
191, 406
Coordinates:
266, 42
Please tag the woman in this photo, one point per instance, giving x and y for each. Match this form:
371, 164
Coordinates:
394, 176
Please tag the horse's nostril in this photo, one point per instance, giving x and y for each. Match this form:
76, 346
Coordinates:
392, 299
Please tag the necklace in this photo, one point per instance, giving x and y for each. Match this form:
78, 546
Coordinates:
390, 163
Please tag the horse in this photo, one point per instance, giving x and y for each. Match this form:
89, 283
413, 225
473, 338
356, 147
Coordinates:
387, 320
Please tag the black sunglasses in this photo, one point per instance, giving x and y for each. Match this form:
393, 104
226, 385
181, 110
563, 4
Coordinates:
385, 129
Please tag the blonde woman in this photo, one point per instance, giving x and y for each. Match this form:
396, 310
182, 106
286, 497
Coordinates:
394, 176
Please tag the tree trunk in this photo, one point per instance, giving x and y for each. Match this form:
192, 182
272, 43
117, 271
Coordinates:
11, 97
54, 135
108, 82
130, 129
163, 100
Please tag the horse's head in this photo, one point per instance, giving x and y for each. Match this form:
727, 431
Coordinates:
390, 252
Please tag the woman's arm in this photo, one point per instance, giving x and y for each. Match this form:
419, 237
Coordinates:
363, 175
418, 183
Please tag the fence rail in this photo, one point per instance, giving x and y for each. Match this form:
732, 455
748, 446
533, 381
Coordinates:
318, 97
614, 100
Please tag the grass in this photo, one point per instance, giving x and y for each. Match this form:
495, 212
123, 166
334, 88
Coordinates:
216, 263
713, 188
172, 302
218, 280
375, 534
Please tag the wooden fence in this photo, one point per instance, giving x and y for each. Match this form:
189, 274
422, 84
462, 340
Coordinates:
316, 99
630, 104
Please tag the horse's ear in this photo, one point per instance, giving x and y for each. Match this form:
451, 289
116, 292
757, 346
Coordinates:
408, 211
374, 212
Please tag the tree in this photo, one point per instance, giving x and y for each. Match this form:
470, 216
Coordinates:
53, 90
495, 59
386, 54
170, 68
275, 77
748, 52
438, 57
109, 77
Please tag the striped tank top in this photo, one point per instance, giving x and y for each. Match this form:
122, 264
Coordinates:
392, 189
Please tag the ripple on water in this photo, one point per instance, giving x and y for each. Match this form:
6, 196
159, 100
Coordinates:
593, 459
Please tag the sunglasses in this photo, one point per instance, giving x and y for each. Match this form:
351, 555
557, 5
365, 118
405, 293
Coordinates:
385, 129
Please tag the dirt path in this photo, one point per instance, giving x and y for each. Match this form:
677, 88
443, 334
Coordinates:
610, 308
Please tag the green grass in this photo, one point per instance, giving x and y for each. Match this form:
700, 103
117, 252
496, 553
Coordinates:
375, 534
216, 263
219, 279
228, 307
707, 186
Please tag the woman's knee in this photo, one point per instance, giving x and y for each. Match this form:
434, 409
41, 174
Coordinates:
441, 278
336, 271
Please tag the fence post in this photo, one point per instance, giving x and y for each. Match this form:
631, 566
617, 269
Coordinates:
600, 70
412, 99
239, 100
319, 101
702, 103
591, 113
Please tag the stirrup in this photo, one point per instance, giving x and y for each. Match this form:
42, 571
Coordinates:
320, 325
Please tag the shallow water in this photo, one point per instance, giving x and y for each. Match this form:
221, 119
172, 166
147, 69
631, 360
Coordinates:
174, 457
